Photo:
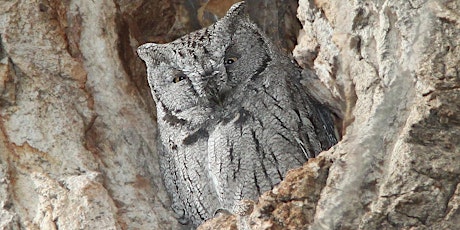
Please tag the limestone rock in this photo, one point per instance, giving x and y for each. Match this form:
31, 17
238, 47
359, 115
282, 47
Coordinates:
77, 147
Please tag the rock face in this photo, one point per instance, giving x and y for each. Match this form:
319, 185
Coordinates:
77, 145
77, 125
396, 65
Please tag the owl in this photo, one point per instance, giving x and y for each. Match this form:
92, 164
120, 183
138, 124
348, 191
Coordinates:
233, 117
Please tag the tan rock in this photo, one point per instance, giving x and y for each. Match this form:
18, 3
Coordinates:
77, 142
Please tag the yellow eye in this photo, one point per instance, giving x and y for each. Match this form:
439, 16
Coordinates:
179, 77
230, 61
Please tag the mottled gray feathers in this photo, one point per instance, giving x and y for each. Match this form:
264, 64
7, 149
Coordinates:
233, 117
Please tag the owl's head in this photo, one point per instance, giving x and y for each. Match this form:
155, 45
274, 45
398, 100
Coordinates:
203, 69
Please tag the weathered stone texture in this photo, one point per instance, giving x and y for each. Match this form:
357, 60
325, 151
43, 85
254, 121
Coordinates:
77, 141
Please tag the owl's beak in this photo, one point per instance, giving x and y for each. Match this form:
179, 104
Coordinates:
215, 94
218, 92
220, 99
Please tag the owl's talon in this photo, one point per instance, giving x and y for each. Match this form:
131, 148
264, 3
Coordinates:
179, 215
182, 220
243, 207
221, 211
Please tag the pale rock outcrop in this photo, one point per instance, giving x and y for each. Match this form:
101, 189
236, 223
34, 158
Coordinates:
77, 145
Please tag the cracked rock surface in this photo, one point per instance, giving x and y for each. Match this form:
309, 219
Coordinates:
77, 147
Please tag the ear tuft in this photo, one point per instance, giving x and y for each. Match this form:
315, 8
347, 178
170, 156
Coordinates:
236, 14
238, 8
146, 51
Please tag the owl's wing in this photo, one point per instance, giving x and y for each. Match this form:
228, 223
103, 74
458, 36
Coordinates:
318, 126
170, 178
187, 180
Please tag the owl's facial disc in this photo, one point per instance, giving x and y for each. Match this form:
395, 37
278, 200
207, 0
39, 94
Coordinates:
203, 68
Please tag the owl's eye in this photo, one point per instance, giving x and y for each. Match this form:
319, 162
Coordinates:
230, 61
179, 77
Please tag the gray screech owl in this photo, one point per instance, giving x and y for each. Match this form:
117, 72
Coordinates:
233, 117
